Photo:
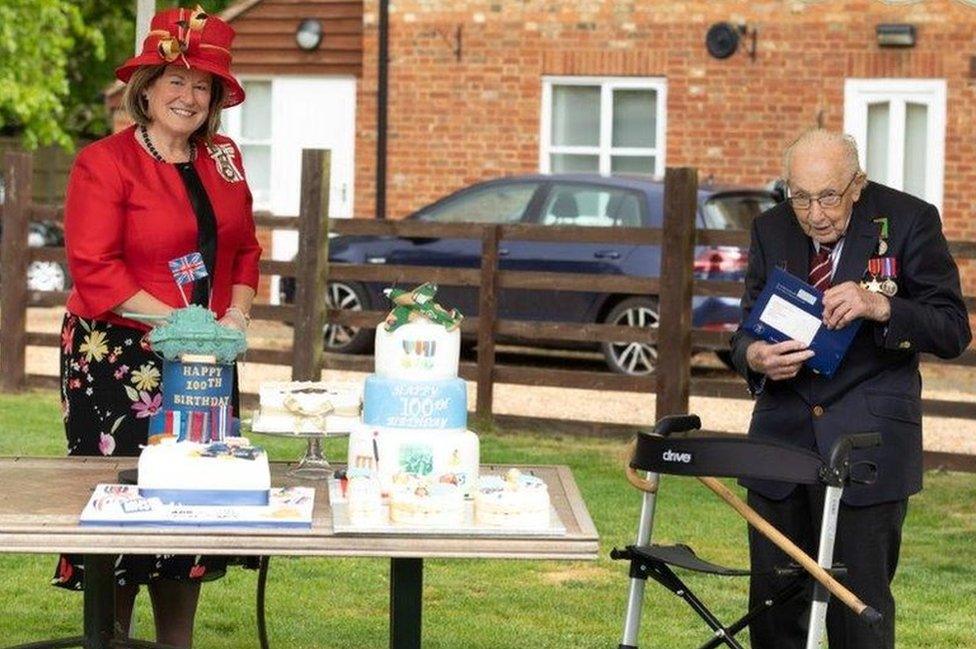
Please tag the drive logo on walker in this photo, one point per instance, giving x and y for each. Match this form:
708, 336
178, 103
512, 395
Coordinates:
674, 456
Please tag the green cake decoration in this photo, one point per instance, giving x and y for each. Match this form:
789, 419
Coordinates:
417, 304
194, 330
417, 459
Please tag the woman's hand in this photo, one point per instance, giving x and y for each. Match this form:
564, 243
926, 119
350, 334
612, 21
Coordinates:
235, 318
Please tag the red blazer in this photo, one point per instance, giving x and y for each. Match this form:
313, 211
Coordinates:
127, 215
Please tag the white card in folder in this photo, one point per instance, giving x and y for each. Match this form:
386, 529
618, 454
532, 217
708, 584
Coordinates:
791, 320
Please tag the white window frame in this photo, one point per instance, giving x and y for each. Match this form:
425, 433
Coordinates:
233, 129
605, 149
860, 93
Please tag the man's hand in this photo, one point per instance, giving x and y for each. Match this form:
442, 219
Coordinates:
778, 362
846, 302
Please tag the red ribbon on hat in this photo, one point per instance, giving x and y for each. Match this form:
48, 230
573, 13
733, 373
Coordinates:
189, 31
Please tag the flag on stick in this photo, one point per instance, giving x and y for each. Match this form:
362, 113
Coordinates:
186, 269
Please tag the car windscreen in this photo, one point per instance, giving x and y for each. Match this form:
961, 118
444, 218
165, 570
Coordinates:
735, 211
497, 203
592, 206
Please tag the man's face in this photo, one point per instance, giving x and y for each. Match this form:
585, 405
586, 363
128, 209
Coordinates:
825, 175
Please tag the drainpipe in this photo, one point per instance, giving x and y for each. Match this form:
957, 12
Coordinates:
144, 13
381, 106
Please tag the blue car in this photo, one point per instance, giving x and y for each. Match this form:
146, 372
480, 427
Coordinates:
565, 199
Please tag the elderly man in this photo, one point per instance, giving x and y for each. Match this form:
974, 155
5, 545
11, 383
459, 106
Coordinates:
880, 257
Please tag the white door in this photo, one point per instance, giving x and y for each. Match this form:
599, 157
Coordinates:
899, 125
282, 116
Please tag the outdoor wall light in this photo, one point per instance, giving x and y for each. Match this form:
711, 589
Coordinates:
896, 35
309, 34
722, 39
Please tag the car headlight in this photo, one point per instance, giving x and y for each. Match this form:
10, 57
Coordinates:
35, 239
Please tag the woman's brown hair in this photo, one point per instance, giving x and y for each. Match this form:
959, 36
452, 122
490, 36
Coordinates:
136, 105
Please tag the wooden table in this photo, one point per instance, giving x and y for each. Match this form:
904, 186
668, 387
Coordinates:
43, 498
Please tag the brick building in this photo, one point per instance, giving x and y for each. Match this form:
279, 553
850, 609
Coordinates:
500, 100
487, 88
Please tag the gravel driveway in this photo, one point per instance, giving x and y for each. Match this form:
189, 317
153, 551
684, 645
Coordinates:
940, 381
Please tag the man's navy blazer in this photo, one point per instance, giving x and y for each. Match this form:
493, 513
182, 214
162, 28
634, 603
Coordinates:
877, 387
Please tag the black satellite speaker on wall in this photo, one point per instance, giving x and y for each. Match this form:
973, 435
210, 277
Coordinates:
722, 40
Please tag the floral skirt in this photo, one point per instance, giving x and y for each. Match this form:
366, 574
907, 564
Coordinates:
110, 386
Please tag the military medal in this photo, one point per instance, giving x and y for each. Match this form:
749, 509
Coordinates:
883, 238
223, 157
874, 270
889, 271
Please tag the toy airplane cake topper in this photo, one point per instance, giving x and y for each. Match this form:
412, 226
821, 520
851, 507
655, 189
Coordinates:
409, 306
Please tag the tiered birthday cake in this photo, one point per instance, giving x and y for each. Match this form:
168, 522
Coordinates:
415, 406
193, 456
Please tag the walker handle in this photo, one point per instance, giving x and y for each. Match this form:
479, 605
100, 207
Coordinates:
676, 424
841, 451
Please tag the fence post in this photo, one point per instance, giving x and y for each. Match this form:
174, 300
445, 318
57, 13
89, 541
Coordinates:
312, 265
487, 314
674, 326
17, 173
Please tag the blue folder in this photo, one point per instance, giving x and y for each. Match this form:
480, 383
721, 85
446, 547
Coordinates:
829, 345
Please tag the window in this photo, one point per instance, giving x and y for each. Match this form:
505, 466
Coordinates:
501, 203
899, 125
603, 125
734, 211
250, 126
591, 206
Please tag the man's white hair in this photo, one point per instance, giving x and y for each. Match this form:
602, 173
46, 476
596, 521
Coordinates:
818, 137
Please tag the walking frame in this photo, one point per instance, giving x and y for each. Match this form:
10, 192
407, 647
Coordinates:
657, 453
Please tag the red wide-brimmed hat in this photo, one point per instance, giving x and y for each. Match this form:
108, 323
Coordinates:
192, 38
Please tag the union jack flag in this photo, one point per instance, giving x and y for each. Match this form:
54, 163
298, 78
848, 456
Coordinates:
188, 268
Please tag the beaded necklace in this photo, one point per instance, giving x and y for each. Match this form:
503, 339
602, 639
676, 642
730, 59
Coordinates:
154, 152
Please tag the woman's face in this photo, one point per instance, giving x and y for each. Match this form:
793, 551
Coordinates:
179, 100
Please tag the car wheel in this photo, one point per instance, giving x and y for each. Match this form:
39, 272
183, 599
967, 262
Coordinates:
46, 276
344, 339
635, 359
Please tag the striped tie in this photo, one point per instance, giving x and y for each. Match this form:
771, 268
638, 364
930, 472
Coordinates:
820, 267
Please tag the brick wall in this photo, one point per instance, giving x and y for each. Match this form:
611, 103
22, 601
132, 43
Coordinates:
453, 122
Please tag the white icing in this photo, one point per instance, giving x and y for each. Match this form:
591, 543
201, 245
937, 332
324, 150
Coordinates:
179, 466
516, 500
311, 397
417, 351
363, 500
440, 455
307, 407
416, 501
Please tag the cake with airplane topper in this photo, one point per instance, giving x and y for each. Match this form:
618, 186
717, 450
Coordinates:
415, 411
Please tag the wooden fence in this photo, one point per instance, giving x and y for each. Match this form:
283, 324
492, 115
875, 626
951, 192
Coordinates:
672, 382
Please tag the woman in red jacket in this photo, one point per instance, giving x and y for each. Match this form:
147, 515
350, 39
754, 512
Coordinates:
158, 190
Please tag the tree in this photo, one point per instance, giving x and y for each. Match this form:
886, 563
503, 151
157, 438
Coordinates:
37, 38
57, 57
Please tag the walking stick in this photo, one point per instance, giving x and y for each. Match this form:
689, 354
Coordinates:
764, 527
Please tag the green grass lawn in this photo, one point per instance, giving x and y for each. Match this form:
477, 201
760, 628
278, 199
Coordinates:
316, 603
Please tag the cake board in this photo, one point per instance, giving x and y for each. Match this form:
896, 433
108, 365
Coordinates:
118, 505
